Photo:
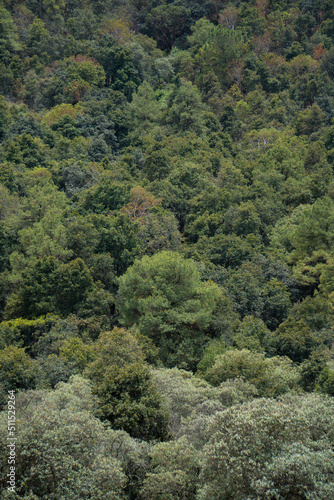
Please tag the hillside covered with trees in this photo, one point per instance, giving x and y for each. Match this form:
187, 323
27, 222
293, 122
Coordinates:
167, 248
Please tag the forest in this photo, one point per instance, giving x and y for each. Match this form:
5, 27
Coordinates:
167, 249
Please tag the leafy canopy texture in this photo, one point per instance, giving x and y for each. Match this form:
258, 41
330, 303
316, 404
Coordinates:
270, 449
63, 451
164, 297
122, 382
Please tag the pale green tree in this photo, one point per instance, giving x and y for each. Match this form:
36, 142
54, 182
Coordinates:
270, 449
174, 472
62, 450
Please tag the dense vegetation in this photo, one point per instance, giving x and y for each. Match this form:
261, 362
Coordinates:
167, 248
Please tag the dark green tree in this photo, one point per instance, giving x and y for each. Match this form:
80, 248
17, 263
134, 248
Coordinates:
163, 296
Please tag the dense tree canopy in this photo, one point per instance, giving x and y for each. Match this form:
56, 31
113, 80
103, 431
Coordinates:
167, 248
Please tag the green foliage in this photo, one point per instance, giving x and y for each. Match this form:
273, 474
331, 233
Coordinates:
214, 47
298, 470
60, 451
71, 79
326, 381
182, 394
17, 371
186, 193
174, 468
310, 120
159, 231
48, 287
271, 376
118, 237
39, 223
306, 239
272, 435
294, 338
163, 296
311, 368
122, 383
117, 347
9, 48
25, 331
253, 293
214, 349
39, 41
106, 197
26, 150
144, 106
77, 352
35, 295
120, 69
62, 110
4, 117
251, 334
167, 23
185, 110
129, 402
73, 280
